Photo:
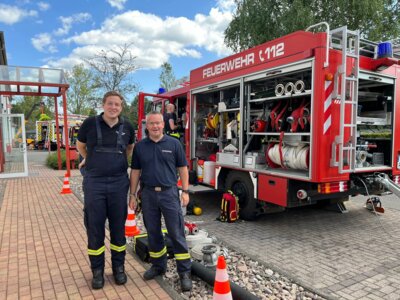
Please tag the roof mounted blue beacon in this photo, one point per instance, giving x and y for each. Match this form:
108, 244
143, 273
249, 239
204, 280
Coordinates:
385, 50
161, 90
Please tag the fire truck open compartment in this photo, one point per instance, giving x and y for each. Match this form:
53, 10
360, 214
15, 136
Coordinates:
280, 99
375, 122
265, 105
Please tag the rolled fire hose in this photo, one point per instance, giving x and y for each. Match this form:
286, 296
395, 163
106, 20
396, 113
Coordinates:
289, 88
294, 157
299, 87
208, 275
279, 89
361, 156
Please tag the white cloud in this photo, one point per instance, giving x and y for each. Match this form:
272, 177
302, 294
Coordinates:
43, 6
12, 14
154, 39
67, 22
118, 4
44, 43
227, 5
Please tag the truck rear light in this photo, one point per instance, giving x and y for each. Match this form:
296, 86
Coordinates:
332, 187
301, 194
396, 179
329, 77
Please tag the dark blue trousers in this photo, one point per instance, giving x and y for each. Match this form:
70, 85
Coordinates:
168, 204
106, 198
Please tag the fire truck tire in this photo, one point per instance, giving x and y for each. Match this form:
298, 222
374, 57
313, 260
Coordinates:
242, 186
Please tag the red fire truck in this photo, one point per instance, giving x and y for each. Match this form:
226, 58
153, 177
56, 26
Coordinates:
309, 117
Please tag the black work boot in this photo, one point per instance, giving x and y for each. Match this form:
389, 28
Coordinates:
98, 279
186, 282
119, 275
153, 272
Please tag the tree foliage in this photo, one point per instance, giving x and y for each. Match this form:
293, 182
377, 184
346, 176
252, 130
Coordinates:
31, 107
133, 110
258, 21
113, 69
82, 94
167, 77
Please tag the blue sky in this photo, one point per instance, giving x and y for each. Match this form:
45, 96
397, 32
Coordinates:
59, 33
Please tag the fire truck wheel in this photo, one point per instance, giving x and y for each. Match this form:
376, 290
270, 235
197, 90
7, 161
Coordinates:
242, 186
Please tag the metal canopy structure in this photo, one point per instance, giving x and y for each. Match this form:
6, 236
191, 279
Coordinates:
32, 81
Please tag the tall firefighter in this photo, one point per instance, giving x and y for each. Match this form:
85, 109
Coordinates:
105, 142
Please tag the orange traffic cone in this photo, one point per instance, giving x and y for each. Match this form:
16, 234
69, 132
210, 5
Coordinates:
130, 225
66, 189
222, 289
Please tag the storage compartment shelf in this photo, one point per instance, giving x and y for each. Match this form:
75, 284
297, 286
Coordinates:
228, 110
210, 140
305, 93
287, 172
373, 169
278, 133
372, 121
376, 138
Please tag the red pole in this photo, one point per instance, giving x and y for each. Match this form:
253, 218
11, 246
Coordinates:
140, 115
57, 133
66, 132
187, 130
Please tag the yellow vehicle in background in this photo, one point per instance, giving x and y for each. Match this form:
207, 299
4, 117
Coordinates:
46, 133
30, 137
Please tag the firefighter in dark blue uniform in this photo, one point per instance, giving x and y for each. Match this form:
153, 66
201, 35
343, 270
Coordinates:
105, 141
155, 161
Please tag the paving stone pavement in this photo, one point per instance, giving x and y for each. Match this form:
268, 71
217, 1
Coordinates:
341, 256
355, 255
43, 241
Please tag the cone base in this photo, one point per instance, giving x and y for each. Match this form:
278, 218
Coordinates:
132, 233
227, 296
65, 192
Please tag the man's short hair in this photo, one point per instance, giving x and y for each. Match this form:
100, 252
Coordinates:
112, 93
154, 112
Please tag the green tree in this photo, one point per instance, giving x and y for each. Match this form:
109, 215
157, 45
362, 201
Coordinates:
167, 77
258, 21
82, 91
31, 107
133, 110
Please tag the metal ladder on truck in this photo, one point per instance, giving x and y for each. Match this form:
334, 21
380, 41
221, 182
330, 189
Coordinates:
349, 43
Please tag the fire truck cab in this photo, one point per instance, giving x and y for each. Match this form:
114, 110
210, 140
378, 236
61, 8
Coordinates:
309, 117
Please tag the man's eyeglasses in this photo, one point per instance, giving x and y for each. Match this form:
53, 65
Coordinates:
154, 123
